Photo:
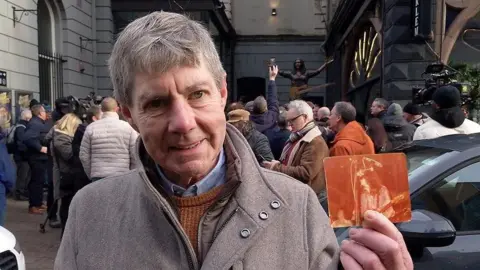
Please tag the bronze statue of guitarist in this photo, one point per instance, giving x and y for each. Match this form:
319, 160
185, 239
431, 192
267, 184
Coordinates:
299, 77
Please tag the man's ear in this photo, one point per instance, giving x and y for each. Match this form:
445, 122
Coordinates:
127, 113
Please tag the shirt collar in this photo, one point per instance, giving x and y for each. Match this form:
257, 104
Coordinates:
215, 178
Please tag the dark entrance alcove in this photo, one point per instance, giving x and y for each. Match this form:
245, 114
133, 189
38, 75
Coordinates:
248, 88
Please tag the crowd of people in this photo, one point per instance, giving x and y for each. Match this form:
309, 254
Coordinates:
300, 134
173, 186
57, 151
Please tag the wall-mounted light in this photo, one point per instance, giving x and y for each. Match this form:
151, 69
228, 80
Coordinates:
274, 12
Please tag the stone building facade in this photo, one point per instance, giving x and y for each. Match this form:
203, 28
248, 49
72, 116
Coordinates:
54, 48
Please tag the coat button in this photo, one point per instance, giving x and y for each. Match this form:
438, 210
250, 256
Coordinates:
245, 233
275, 204
263, 215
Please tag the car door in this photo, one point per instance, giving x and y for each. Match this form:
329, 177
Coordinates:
456, 196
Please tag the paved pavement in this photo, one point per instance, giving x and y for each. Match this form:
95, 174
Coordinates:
39, 249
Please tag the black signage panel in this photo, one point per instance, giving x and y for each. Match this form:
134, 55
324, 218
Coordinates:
3, 78
422, 19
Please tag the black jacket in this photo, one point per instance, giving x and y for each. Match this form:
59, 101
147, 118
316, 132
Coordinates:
34, 139
399, 131
278, 142
20, 151
81, 178
260, 146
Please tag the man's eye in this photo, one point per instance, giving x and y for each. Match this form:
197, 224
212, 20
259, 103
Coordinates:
156, 103
197, 94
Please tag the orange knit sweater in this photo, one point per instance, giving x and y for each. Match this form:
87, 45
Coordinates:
191, 211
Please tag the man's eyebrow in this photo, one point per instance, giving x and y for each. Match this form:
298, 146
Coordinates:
197, 86
146, 97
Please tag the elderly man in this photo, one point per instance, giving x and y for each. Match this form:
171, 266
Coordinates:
199, 199
303, 154
379, 108
322, 115
20, 155
351, 138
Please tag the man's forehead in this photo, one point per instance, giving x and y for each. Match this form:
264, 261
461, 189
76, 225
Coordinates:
158, 84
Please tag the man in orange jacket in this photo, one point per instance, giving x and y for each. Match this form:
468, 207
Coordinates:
351, 138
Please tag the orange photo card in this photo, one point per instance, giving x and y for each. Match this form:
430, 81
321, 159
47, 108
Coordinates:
356, 184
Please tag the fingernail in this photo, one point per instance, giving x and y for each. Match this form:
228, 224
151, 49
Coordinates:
369, 214
344, 242
352, 231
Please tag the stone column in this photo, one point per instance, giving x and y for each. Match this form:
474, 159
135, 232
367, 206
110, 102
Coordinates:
105, 36
405, 59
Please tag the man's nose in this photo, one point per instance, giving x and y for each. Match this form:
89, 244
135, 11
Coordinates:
182, 118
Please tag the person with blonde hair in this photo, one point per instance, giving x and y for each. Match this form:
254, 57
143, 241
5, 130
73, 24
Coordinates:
61, 150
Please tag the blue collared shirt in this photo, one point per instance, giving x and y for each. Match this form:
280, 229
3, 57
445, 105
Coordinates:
213, 179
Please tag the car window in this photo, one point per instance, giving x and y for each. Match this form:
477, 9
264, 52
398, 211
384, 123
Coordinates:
456, 197
419, 159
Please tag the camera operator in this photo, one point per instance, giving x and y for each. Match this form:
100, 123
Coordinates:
447, 117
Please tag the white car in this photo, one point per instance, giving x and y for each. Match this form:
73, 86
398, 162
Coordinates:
11, 256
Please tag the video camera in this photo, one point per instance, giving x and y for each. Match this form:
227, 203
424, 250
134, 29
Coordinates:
439, 75
78, 106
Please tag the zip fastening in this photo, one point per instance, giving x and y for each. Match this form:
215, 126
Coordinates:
192, 257
200, 224
225, 224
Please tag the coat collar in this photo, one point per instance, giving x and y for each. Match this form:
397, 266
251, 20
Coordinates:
253, 197
312, 134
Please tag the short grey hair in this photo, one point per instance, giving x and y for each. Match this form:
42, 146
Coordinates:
157, 43
324, 112
249, 106
26, 114
382, 102
301, 107
346, 111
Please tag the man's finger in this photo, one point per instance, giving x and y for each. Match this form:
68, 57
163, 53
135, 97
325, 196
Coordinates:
364, 256
378, 222
386, 248
348, 262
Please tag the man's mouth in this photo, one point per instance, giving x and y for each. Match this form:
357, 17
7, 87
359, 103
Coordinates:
187, 146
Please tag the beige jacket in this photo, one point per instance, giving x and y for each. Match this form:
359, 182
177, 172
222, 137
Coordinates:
107, 147
262, 220
305, 163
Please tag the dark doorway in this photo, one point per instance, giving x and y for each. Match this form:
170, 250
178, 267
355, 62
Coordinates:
248, 88
362, 96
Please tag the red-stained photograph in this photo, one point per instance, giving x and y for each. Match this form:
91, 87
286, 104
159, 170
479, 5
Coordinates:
356, 184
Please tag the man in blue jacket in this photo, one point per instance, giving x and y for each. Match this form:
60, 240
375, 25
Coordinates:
7, 179
34, 139
265, 111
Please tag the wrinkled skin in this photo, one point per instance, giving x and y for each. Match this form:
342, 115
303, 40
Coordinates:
179, 115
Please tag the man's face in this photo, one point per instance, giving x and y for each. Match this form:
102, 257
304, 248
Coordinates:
97, 117
375, 109
296, 120
180, 117
43, 114
407, 116
333, 120
315, 111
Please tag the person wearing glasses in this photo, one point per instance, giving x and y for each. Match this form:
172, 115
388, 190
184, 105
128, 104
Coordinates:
303, 154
